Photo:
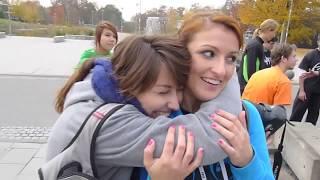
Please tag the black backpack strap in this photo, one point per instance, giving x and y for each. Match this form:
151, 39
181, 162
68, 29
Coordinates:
95, 135
82, 126
277, 159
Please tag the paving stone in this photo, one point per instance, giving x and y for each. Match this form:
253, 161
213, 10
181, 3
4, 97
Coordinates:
24, 134
27, 145
32, 167
42, 152
18, 156
9, 171
4, 148
27, 177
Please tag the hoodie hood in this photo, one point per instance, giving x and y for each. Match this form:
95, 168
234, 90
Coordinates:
82, 91
100, 85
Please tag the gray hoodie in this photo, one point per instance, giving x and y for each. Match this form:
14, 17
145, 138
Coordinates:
122, 139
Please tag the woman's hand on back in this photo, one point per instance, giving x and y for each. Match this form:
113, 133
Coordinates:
174, 163
234, 129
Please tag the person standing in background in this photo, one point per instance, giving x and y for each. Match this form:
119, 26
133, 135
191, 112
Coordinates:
308, 96
106, 37
253, 56
272, 86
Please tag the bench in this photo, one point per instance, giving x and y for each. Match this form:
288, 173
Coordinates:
58, 39
2, 35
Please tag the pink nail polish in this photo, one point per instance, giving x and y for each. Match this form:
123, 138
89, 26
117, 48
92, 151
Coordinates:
182, 127
173, 126
220, 141
150, 142
214, 125
201, 150
191, 134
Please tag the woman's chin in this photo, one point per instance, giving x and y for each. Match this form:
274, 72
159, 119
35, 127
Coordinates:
207, 96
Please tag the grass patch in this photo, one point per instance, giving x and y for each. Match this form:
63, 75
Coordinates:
40, 30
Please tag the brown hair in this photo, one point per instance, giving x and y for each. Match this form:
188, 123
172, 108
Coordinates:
137, 61
104, 25
201, 20
136, 64
79, 74
279, 51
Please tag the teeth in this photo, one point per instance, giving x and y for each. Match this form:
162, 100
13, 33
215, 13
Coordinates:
212, 81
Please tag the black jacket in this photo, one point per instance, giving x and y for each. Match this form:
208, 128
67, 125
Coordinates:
252, 61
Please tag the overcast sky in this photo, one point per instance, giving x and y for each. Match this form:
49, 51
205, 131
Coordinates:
130, 7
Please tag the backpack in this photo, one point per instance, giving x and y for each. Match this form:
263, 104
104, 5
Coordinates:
273, 117
71, 164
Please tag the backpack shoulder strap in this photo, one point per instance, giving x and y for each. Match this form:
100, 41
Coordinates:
246, 108
251, 111
103, 114
80, 152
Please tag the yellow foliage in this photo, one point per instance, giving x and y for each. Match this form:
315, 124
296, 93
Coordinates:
27, 11
253, 12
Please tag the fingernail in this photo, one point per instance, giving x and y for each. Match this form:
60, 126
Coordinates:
214, 125
212, 116
150, 142
220, 141
182, 127
173, 126
191, 134
201, 150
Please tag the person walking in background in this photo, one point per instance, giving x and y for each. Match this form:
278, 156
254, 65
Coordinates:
308, 96
106, 37
253, 56
272, 86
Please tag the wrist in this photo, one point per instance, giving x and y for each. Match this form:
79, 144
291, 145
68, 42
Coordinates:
249, 157
246, 160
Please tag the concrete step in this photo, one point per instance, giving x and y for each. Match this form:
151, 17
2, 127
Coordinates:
301, 149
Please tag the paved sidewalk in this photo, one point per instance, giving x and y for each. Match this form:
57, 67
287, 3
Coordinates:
20, 161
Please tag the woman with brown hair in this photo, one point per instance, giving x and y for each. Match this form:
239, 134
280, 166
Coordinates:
214, 42
106, 37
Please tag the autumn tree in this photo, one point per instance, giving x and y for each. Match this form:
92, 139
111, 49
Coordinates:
27, 11
305, 16
88, 12
197, 8
112, 14
3, 8
172, 22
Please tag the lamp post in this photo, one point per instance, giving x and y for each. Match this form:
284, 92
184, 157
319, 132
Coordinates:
121, 21
102, 11
92, 17
288, 23
139, 18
